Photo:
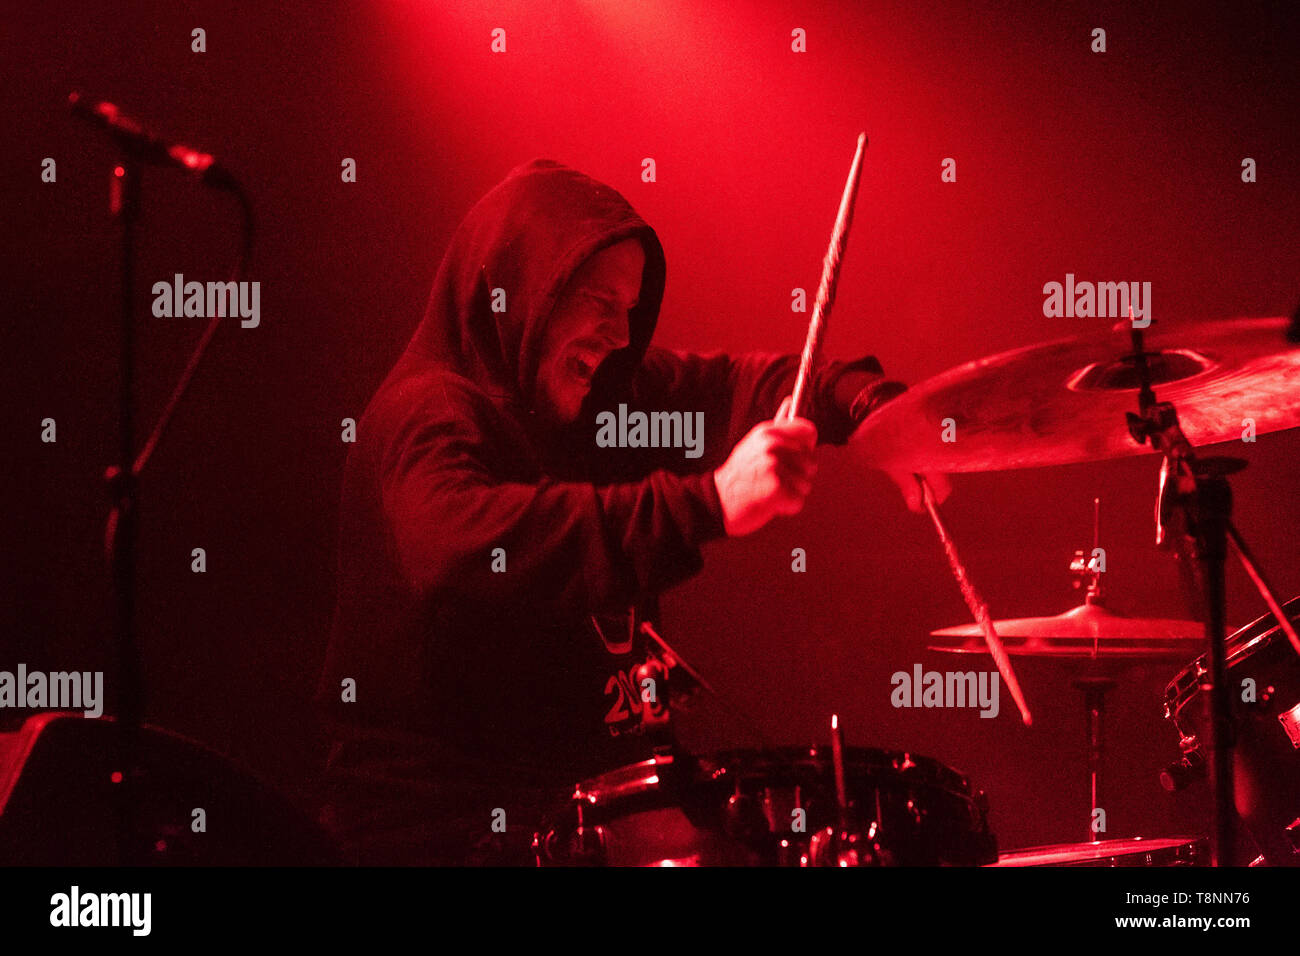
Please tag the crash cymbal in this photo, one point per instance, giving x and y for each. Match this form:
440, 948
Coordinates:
1088, 631
1065, 401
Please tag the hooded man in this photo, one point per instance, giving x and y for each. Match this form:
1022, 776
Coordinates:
496, 561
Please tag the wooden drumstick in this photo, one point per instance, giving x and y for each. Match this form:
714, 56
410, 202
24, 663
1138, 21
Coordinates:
807, 366
978, 608
826, 288
837, 759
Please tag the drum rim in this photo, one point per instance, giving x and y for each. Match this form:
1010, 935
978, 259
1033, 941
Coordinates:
627, 781
1187, 682
634, 779
1103, 849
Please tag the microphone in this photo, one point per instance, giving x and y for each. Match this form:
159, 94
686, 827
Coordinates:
145, 146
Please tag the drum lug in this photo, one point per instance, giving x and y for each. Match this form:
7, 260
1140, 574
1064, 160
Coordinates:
1290, 721
586, 847
835, 847
745, 820
1293, 834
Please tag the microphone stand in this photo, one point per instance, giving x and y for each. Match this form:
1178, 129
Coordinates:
122, 478
120, 534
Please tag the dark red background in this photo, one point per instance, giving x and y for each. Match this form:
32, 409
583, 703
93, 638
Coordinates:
1116, 166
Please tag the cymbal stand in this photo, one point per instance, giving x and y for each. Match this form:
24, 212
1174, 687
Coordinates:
1194, 493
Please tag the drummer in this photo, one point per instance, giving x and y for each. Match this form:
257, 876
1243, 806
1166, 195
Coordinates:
496, 561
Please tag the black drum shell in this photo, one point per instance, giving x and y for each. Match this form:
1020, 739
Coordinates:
734, 809
1266, 758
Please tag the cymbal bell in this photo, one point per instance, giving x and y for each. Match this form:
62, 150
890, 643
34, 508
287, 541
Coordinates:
1065, 401
1086, 632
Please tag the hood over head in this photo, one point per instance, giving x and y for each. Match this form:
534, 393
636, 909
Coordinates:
527, 237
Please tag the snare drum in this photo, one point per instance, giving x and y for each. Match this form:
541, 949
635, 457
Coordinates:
1176, 851
1264, 685
770, 808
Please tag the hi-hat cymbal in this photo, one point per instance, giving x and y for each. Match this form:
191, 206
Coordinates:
1087, 631
1065, 401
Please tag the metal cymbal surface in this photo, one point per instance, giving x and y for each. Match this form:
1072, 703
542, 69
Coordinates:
1087, 631
1064, 402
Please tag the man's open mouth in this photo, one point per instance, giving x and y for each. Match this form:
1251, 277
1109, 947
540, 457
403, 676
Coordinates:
582, 366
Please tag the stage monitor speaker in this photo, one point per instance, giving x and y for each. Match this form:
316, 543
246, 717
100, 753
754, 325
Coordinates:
61, 783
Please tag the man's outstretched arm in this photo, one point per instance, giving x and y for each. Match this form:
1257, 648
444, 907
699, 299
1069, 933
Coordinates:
567, 546
738, 392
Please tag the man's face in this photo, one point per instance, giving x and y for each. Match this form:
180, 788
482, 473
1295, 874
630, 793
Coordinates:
589, 322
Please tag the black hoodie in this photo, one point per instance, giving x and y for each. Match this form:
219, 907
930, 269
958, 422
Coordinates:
485, 650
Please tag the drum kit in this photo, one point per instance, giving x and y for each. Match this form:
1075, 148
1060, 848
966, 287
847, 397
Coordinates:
870, 807
1082, 399
845, 807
